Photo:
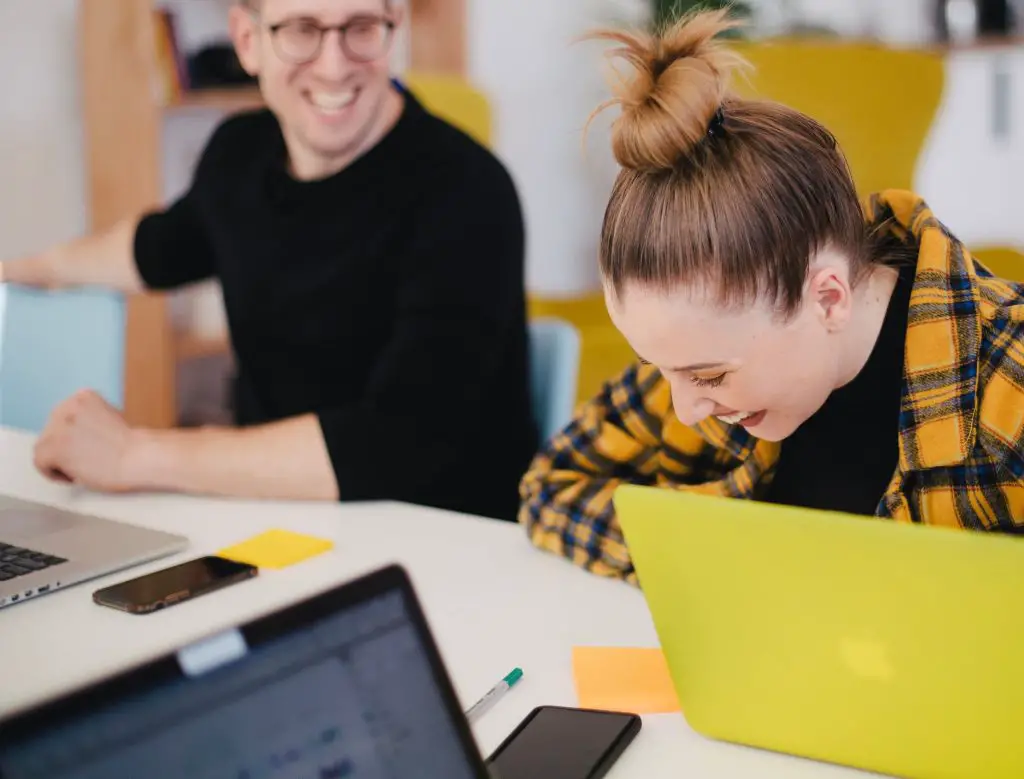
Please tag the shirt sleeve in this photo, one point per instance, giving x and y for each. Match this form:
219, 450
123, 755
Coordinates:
615, 438
418, 432
172, 245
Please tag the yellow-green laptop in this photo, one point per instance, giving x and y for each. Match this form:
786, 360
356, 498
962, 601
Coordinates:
888, 647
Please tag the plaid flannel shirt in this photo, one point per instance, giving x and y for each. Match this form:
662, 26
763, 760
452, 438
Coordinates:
961, 426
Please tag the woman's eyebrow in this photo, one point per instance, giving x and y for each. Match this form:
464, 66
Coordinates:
697, 366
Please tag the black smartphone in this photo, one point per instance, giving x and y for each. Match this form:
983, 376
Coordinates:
556, 742
160, 589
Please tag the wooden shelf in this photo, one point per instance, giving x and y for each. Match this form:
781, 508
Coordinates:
226, 99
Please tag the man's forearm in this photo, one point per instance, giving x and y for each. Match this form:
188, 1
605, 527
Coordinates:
106, 259
285, 460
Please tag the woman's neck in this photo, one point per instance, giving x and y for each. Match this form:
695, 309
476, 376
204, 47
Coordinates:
871, 303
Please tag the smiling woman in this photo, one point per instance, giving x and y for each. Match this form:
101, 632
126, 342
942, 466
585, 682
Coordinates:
801, 346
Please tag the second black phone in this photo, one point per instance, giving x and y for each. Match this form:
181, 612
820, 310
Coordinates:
556, 742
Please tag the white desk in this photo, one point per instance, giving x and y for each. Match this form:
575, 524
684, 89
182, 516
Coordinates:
492, 600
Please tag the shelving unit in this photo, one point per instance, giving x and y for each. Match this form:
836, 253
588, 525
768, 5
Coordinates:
237, 99
123, 123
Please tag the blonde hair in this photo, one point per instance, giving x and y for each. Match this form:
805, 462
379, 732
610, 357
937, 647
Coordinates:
726, 194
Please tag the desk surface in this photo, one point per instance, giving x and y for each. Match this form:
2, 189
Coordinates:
492, 600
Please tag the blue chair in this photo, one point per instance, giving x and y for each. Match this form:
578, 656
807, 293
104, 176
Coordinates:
53, 344
554, 369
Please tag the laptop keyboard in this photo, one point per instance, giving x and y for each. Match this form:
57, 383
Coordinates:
17, 561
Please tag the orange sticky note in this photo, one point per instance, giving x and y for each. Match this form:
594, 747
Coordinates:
276, 549
632, 679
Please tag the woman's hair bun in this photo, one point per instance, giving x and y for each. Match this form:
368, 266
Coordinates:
680, 78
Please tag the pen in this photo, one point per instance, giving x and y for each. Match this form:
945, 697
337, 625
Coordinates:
494, 694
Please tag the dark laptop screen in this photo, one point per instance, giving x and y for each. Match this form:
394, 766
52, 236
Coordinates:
352, 696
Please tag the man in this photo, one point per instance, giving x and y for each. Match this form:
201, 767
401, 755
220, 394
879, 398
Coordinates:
371, 261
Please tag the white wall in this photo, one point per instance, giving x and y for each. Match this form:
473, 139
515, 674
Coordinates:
971, 168
543, 85
903, 21
41, 170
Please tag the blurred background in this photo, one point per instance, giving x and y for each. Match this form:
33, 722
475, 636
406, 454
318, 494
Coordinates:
106, 104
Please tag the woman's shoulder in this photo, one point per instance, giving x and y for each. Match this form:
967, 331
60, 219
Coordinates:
1001, 367
1000, 296
1001, 308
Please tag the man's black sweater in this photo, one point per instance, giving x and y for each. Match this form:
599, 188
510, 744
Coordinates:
387, 299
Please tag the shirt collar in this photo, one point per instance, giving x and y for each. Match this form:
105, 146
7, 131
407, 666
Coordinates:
939, 398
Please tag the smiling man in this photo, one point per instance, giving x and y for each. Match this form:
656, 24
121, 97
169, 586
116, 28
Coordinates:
371, 260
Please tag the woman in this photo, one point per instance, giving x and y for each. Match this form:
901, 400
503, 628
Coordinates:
795, 346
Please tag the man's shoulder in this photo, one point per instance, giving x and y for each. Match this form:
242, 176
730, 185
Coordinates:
242, 135
451, 153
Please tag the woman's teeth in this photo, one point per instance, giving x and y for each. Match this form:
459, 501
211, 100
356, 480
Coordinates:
735, 419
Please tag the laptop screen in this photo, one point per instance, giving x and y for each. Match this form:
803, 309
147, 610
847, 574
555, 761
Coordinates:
352, 695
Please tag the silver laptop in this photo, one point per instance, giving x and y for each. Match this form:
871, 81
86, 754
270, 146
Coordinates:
43, 548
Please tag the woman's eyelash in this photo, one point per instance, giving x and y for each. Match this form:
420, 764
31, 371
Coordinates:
715, 381
712, 382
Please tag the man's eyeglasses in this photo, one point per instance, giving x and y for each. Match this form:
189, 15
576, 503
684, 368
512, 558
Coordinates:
363, 39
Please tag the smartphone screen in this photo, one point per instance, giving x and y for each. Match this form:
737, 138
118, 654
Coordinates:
171, 585
564, 743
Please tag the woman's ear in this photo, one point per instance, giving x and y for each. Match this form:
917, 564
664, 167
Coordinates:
829, 292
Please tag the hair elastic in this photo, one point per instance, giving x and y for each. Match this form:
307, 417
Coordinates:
716, 126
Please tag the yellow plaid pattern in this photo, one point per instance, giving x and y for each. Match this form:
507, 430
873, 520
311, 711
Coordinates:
961, 429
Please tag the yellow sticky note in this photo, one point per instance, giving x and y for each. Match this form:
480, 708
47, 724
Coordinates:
629, 679
276, 549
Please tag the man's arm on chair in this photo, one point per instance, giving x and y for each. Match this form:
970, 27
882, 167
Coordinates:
105, 259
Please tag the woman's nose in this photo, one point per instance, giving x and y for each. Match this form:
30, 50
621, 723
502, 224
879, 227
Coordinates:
689, 405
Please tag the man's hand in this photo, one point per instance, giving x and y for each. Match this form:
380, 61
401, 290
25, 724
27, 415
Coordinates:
88, 442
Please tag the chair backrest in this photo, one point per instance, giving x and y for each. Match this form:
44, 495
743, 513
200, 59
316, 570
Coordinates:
554, 371
53, 344
453, 99
879, 102
1006, 262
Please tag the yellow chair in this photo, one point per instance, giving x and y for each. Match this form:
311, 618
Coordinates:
879, 102
1004, 261
455, 100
